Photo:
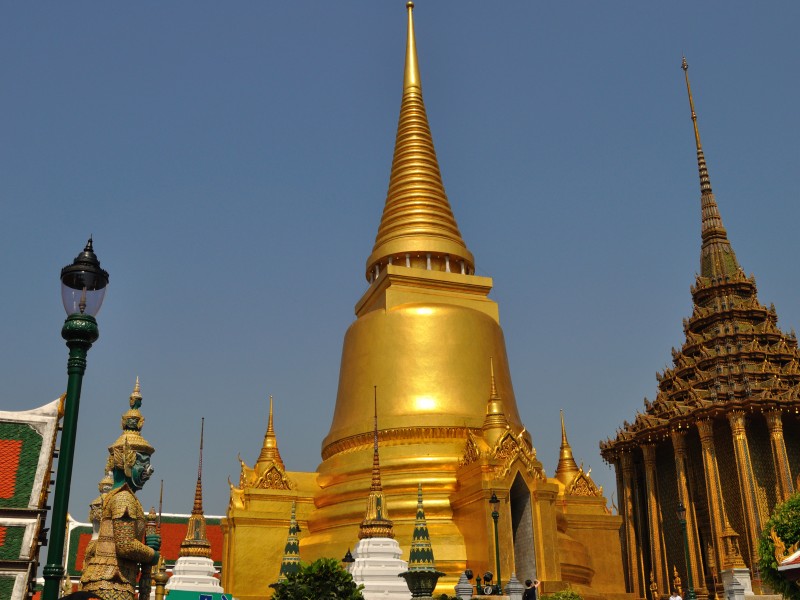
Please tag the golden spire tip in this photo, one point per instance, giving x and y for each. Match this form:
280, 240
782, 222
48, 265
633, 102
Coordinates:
411, 78
494, 382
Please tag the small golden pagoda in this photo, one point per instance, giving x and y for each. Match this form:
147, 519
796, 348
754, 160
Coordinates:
429, 337
722, 435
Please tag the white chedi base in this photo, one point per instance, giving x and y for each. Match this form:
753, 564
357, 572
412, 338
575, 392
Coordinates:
194, 574
377, 566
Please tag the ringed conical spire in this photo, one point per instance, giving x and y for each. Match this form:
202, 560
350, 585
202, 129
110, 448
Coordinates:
196, 543
417, 228
567, 467
717, 258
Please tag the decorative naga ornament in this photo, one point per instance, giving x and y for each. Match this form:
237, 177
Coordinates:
113, 569
715, 438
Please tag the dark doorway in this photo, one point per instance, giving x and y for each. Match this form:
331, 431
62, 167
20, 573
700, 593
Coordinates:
522, 528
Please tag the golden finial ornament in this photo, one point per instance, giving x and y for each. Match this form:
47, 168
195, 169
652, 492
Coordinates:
269, 449
567, 468
411, 78
417, 227
495, 422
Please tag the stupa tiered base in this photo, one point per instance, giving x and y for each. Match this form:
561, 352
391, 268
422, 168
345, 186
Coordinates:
378, 566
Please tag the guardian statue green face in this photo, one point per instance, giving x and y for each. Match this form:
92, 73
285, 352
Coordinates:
141, 471
120, 559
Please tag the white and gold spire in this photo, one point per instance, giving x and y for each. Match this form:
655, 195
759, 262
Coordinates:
376, 521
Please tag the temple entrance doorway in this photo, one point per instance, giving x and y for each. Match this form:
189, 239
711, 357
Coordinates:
522, 529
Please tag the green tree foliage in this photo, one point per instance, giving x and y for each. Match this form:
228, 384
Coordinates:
786, 522
567, 594
323, 579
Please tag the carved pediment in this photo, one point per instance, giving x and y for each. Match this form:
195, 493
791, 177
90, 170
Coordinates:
273, 479
511, 448
472, 450
583, 485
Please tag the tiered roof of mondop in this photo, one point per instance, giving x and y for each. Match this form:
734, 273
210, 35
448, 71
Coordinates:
427, 335
729, 392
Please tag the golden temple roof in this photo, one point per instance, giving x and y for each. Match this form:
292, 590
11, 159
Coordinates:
417, 220
268, 472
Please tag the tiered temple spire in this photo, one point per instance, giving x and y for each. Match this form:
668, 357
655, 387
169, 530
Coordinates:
196, 543
269, 449
717, 258
291, 553
495, 422
567, 468
376, 523
421, 556
417, 228
732, 379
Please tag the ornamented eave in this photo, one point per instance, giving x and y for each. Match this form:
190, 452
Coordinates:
398, 435
647, 431
583, 485
510, 449
273, 477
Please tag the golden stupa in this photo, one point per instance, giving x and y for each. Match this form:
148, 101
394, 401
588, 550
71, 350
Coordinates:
428, 337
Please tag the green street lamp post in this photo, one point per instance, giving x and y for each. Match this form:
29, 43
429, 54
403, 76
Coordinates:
681, 513
495, 515
83, 286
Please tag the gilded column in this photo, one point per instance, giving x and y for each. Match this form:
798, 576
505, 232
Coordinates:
657, 559
637, 585
747, 480
716, 505
681, 469
780, 459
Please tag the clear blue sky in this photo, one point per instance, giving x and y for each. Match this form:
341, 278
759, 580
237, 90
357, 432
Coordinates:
231, 161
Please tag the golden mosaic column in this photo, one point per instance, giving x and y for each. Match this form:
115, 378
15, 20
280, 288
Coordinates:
747, 480
716, 505
780, 459
681, 468
637, 585
658, 561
